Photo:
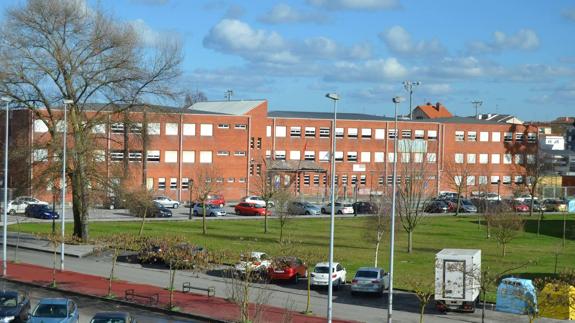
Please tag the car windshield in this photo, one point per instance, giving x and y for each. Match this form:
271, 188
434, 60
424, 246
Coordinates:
44, 208
307, 204
8, 301
50, 310
322, 270
466, 202
366, 274
347, 205
108, 320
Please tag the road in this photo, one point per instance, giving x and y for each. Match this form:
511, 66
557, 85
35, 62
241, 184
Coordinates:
365, 309
89, 306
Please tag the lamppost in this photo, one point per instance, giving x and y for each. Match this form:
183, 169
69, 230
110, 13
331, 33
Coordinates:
408, 85
5, 213
334, 97
396, 100
64, 148
191, 184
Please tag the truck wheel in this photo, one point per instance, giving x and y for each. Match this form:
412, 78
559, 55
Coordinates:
12, 212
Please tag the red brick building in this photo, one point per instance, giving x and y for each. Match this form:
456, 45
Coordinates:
239, 139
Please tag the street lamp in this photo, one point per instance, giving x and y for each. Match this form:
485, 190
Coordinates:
191, 187
5, 214
408, 85
334, 97
65, 146
396, 100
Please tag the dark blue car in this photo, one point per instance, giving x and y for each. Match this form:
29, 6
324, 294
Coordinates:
41, 211
14, 306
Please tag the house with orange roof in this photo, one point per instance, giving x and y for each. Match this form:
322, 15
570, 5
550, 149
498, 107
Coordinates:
429, 111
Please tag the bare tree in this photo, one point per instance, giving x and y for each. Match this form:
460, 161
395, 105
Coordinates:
206, 183
60, 49
282, 197
505, 226
424, 291
378, 225
194, 97
116, 243
458, 174
266, 189
139, 202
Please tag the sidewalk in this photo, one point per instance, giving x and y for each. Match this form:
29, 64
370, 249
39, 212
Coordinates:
200, 306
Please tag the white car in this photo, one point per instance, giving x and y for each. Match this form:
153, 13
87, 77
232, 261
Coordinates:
340, 208
19, 204
370, 280
321, 275
522, 198
256, 262
257, 200
166, 202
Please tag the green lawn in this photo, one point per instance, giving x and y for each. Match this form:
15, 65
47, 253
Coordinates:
354, 250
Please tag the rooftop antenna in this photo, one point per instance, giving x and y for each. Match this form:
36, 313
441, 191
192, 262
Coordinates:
477, 104
228, 94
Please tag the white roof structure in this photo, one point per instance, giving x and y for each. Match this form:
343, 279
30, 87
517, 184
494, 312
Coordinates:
226, 107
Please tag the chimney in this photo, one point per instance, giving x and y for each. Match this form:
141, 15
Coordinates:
437, 106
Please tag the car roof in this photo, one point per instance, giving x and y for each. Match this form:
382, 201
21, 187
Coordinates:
9, 293
111, 315
325, 264
369, 269
61, 301
257, 254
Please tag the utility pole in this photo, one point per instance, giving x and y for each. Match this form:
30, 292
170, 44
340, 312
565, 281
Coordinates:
477, 104
408, 85
228, 94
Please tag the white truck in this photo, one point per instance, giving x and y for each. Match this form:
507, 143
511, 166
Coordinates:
457, 279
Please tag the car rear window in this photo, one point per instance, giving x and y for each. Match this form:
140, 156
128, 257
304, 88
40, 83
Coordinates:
322, 270
366, 274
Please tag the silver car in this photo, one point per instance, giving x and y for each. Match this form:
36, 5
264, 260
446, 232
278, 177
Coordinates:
303, 207
166, 202
370, 280
340, 208
211, 210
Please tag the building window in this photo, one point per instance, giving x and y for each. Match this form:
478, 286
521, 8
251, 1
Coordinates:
161, 183
117, 127
135, 156
189, 129
390, 157
116, 155
306, 180
309, 155
406, 134
459, 135
239, 153
366, 133
280, 154
389, 179
171, 129
316, 180
339, 133
40, 126
506, 180
507, 159
495, 158
431, 158
352, 156
405, 157
324, 132
471, 136
206, 129
418, 158
419, 134
482, 180
531, 137
494, 179
391, 133
188, 156
294, 155
170, 156
136, 127
343, 179
153, 128
338, 156
219, 179
459, 158
519, 136
231, 179
268, 154
519, 159
470, 180
352, 132
484, 136
483, 158
496, 136
380, 134
41, 155
97, 128
310, 131
100, 155
259, 143
259, 169
507, 136
153, 156
223, 153
280, 131
379, 157
324, 156
268, 131
431, 134
471, 158
519, 179
205, 157
457, 179
185, 183
240, 126
295, 132
223, 126
252, 143
530, 159
380, 180
365, 157
242, 180
173, 183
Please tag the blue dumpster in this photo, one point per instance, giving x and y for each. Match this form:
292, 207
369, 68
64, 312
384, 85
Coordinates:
516, 295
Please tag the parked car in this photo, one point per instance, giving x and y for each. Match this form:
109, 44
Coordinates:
555, 205
523, 197
114, 202
492, 197
447, 195
248, 208
537, 207
519, 206
256, 263
14, 306
340, 208
216, 199
211, 210
159, 211
113, 317
287, 268
41, 211
61, 310
436, 206
19, 204
303, 207
256, 200
30, 200
465, 205
363, 207
166, 202
370, 280
322, 273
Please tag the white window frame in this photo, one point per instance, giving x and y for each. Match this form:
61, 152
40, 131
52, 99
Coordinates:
205, 157
40, 126
471, 136
484, 158
460, 135
310, 131
295, 155
352, 132
295, 131
495, 136
170, 156
189, 129
507, 159
171, 129
365, 133
379, 134
431, 134
379, 157
280, 154
365, 156
471, 158
459, 158
495, 158
323, 156
431, 158
188, 156
153, 156
206, 129
154, 128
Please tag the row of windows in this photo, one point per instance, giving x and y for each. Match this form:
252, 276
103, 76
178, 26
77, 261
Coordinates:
162, 182
154, 128
353, 133
353, 156
494, 180
495, 158
496, 136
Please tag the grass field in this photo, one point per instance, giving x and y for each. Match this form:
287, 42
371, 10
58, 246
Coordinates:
353, 250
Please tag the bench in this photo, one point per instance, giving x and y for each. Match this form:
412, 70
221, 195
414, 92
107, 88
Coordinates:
131, 296
187, 288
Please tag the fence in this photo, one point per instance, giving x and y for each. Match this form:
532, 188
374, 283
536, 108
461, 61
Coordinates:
548, 192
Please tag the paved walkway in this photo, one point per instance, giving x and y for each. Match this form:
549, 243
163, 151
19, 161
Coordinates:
201, 306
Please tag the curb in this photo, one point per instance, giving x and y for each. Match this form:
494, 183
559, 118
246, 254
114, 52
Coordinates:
122, 302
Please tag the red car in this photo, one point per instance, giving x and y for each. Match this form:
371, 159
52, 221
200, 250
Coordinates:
246, 208
287, 268
521, 207
216, 199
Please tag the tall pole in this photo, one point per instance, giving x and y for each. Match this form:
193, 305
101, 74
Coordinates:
396, 100
477, 104
335, 98
408, 85
65, 146
5, 213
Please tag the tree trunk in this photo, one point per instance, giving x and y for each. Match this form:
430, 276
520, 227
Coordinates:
564, 228
531, 208
483, 309
421, 311
281, 232
79, 204
115, 257
376, 252
458, 204
307, 306
172, 278
409, 241
143, 220
204, 226
55, 244
145, 142
504, 245
538, 224
266, 218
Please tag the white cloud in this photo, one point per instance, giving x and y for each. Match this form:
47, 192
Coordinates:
399, 41
436, 88
375, 70
356, 4
148, 35
360, 51
569, 14
283, 14
378, 92
524, 39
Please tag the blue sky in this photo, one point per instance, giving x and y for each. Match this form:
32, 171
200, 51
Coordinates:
516, 56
